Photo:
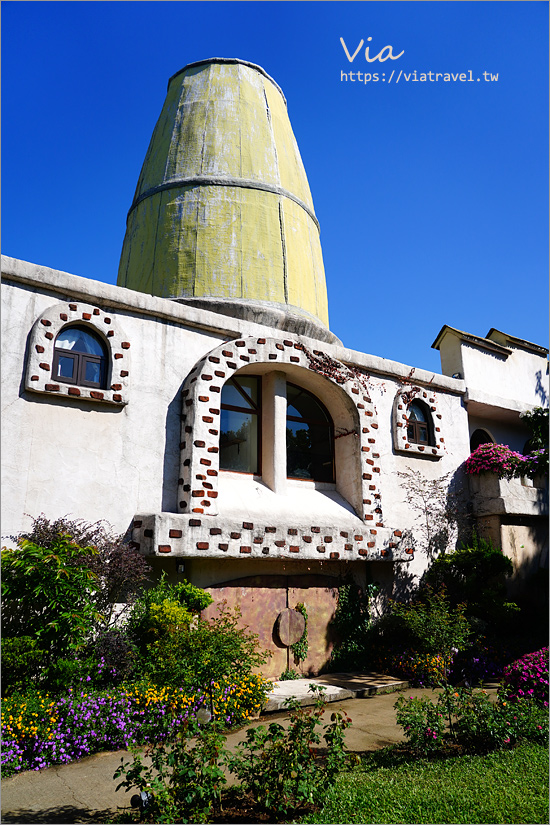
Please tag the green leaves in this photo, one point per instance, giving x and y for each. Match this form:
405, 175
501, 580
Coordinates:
48, 593
278, 767
300, 648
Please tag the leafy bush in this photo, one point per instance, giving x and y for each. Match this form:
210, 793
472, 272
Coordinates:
350, 623
537, 421
288, 675
471, 720
119, 569
474, 575
300, 648
48, 594
277, 767
426, 627
59, 591
178, 649
181, 784
484, 725
422, 721
528, 678
22, 661
113, 658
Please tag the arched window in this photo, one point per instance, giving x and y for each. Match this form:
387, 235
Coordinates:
419, 426
309, 437
80, 357
478, 438
240, 437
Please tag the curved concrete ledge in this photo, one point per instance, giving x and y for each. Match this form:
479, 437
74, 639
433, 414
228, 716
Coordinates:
276, 316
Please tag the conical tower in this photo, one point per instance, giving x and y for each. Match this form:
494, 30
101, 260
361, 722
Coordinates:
222, 216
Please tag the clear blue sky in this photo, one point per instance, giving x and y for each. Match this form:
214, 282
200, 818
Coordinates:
432, 196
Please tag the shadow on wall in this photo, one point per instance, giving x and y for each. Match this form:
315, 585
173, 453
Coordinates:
540, 389
171, 461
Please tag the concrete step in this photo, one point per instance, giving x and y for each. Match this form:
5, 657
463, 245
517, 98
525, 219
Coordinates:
338, 686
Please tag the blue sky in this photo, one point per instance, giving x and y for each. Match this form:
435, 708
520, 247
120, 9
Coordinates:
432, 196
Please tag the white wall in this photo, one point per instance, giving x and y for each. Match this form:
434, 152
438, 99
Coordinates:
81, 458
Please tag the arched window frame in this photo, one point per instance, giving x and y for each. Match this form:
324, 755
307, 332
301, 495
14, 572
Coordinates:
81, 360
489, 440
39, 377
201, 407
400, 421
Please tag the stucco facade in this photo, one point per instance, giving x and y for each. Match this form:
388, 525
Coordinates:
141, 448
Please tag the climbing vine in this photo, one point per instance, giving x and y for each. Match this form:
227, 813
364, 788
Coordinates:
323, 364
300, 648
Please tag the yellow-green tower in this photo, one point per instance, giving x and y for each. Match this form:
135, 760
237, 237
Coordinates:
222, 216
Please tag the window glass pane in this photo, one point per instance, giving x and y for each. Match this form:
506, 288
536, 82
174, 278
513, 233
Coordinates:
93, 372
309, 446
232, 396
309, 451
65, 367
304, 405
423, 433
239, 441
416, 413
249, 384
78, 340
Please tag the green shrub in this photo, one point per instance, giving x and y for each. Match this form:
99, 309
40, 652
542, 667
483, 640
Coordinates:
178, 648
429, 625
22, 661
277, 767
350, 624
288, 675
48, 594
422, 721
59, 589
471, 720
182, 783
120, 571
475, 575
300, 648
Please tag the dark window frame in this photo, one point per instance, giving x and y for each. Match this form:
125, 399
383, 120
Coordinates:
254, 409
479, 433
415, 428
81, 360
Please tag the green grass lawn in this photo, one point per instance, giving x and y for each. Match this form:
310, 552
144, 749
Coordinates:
504, 786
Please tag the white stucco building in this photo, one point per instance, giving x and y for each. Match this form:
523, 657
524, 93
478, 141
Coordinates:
203, 406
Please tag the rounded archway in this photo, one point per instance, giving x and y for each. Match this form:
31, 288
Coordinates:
480, 437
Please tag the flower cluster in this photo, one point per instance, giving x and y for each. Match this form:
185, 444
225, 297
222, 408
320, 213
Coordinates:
528, 678
419, 669
38, 731
473, 720
504, 462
